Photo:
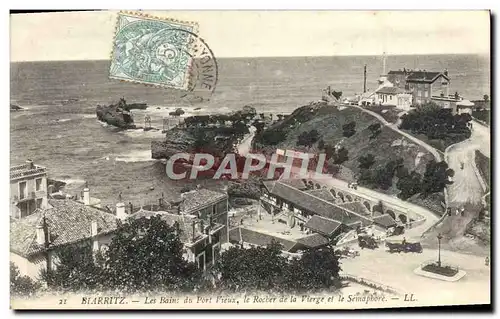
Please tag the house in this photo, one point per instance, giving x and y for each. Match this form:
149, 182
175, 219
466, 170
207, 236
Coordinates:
309, 211
202, 218
303, 205
253, 238
28, 189
395, 96
35, 239
383, 222
398, 78
426, 85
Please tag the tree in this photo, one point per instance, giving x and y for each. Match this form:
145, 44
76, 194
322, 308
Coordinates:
308, 138
317, 269
375, 129
340, 156
272, 137
409, 185
486, 98
435, 177
76, 269
21, 285
260, 268
366, 161
321, 144
146, 254
349, 129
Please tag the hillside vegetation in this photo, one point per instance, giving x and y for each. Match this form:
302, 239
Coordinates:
356, 142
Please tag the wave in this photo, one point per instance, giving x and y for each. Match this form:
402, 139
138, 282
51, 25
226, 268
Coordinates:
71, 181
134, 133
62, 120
135, 156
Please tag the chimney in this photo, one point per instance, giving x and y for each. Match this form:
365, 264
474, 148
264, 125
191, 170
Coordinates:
202, 226
120, 211
30, 164
40, 235
131, 207
445, 72
86, 196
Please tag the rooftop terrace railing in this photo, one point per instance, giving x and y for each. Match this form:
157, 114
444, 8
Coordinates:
19, 172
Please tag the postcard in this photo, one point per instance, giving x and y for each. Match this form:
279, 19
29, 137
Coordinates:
250, 159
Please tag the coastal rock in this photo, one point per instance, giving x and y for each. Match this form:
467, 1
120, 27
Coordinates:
14, 108
116, 115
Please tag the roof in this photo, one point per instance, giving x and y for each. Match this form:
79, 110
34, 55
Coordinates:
322, 193
356, 207
398, 72
253, 237
384, 220
199, 198
294, 182
389, 90
26, 170
313, 241
185, 223
322, 225
313, 204
424, 76
68, 221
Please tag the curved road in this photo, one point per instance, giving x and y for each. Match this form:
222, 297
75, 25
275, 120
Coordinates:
466, 186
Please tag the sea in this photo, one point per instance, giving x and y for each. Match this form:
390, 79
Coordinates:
59, 130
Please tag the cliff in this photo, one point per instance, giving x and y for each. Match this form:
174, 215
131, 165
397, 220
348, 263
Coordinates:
214, 134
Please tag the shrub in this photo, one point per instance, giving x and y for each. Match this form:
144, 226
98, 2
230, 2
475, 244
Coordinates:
349, 129
21, 285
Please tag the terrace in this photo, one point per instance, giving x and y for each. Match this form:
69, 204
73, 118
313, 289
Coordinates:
26, 170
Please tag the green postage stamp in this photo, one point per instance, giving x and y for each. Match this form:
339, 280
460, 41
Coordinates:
152, 51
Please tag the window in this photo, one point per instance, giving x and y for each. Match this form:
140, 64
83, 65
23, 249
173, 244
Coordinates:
38, 184
390, 97
39, 202
426, 93
23, 192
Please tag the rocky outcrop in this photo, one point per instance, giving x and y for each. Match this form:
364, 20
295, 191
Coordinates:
116, 115
14, 108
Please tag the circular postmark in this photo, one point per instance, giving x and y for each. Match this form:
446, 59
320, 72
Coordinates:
203, 69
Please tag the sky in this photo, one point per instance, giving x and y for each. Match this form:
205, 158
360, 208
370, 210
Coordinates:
89, 35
